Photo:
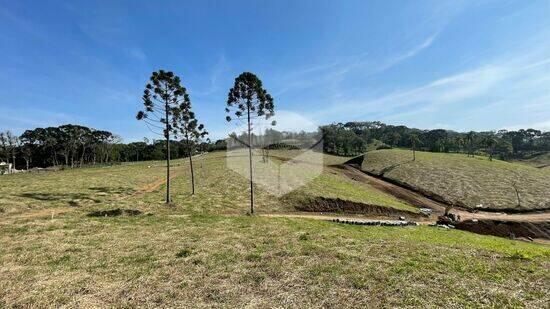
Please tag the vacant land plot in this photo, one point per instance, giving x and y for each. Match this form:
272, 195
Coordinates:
215, 260
201, 251
463, 181
141, 185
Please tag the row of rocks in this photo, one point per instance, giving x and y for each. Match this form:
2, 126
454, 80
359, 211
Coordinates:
376, 222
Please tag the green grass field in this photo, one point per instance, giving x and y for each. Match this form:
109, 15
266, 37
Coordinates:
202, 251
465, 181
219, 189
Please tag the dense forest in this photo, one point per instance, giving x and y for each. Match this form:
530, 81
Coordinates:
74, 146
354, 138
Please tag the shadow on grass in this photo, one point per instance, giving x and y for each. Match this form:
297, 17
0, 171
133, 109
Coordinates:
72, 199
390, 168
112, 190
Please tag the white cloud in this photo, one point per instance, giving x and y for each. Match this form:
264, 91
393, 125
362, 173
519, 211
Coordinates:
333, 72
137, 53
18, 119
217, 72
408, 54
542, 126
286, 121
509, 83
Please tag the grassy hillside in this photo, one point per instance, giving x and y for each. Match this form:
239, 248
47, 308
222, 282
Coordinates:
333, 186
219, 189
202, 251
465, 181
539, 161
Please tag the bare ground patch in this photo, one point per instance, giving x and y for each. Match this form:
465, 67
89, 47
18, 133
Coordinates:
512, 229
336, 205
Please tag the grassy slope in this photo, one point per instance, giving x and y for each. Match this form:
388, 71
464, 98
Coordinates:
195, 255
219, 189
75, 187
212, 260
541, 161
330, 185
464, 180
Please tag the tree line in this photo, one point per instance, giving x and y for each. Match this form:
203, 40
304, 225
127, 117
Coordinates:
354, 138
75, 146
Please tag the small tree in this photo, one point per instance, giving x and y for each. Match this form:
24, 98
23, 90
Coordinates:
490, 142
28, 140
414, 141
13, 143
470, 137
396, 137
4, 146
248, 99
161, 99
191, 131
459, 141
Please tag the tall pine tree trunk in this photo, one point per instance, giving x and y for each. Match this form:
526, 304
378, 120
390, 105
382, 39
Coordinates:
167, 155
250, 163
192, 172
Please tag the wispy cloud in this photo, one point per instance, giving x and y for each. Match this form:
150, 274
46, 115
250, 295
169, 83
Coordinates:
395, 60
136, 53
542, 125
334, 71
10, 118
23, 24
218, 71
507, 85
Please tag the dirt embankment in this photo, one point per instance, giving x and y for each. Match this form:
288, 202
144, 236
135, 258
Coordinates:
336, 205
511, 229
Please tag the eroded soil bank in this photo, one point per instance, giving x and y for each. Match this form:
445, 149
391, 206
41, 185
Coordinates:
336, 205
509, 229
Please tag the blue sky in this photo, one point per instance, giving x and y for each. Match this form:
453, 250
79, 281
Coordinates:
458, 65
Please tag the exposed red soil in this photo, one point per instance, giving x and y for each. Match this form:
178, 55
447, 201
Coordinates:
512, 229
331, 205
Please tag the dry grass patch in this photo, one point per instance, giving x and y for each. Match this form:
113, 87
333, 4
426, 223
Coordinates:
209, 260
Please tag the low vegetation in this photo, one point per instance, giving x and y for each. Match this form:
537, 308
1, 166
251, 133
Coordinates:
467, 182
141, 185
104, 237
539, 160
331, 185
235, 261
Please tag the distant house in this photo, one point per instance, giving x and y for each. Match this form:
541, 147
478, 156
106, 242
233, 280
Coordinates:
5, 168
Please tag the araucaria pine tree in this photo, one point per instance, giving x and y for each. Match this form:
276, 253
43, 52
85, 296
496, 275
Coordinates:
249, 100
162, 98
490, 142
191, 132
471, 137
414, 141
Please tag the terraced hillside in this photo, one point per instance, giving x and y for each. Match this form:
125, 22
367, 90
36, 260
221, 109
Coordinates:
466, 182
